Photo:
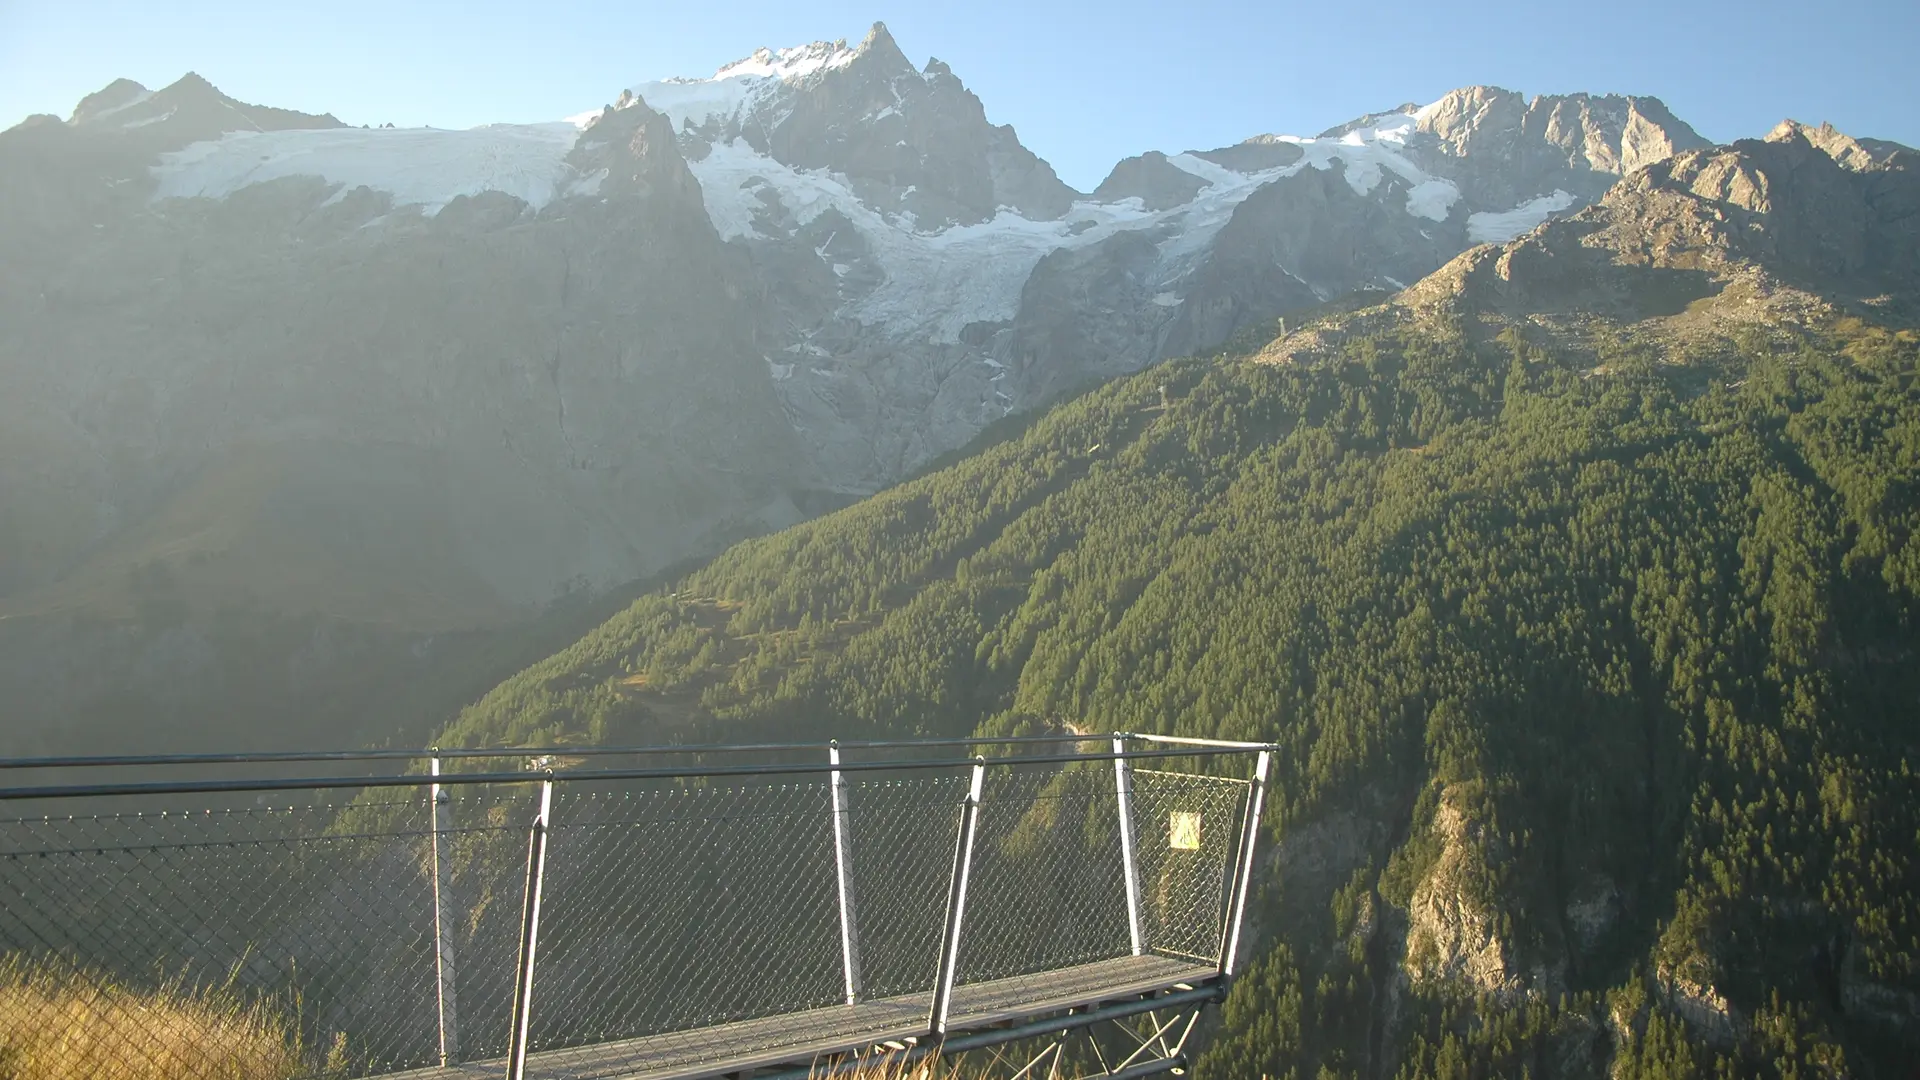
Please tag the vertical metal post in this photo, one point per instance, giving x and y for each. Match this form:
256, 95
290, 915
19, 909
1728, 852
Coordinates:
1243, 877
843, 867
529, 935
956, 904
1129, 861
444, 920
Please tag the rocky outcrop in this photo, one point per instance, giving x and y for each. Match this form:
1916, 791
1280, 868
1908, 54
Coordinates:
1780, 228
1158, 184
1302, 240
1832, 220
1577, 143
1592, 911
1817, 205
1258, 154
1452, 932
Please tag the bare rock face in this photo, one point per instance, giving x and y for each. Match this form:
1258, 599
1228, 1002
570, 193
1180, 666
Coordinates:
542, 344
1515, 148
1704, 1006
1300, 241
1452, 935
1476, 121
1158, 184
1613, 135
1781, 228
1593, 911
1258, 154
1319, 856
1810, 204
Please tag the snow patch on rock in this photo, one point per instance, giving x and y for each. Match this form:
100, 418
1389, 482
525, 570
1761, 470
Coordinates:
1367, 155
1432, 199
1500, 227
159, 118
139, 97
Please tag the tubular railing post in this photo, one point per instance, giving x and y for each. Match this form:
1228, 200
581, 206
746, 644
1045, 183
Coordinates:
843, 871
529, 935
444, 920
956, 904
1129, 843
1243, 876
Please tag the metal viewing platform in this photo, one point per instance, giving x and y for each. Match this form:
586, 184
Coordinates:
1068, 904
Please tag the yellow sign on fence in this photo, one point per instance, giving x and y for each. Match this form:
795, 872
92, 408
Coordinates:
1183, 830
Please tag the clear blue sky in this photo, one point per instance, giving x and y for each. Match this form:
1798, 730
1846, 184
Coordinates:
1085, 84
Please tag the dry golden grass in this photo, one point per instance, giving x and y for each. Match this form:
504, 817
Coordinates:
59, 1024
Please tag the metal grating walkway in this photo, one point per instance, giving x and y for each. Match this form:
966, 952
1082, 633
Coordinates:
799, 1038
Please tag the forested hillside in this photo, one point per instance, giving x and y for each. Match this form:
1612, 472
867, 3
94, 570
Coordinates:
1591, 642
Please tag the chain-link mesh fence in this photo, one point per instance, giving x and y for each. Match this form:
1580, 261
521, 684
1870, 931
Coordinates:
901, 838
301, 938
372, 935
1187, 830
680, 909
1047, 889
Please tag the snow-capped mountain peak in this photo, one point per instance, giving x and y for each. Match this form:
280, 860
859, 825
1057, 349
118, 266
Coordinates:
693, 102
789, 63
740, 88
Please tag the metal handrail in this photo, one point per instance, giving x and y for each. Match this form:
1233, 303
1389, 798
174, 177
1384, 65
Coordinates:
1188, 740
451, 753
315, 783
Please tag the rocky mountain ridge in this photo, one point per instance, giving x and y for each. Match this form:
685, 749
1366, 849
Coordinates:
950, 278
452, 375
1803, 226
